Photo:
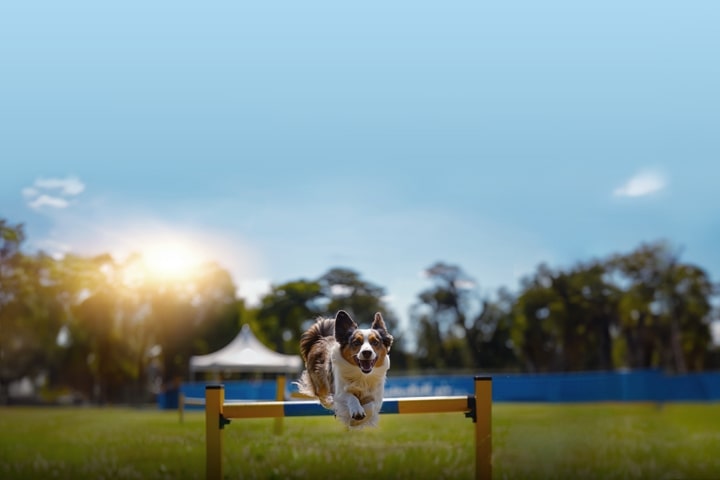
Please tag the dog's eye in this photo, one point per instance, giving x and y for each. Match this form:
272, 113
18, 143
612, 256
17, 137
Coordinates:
374, 342
357, 342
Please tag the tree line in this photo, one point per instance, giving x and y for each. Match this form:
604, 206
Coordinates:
112, 331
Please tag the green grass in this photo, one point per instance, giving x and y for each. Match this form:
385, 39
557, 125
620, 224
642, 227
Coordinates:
624, 441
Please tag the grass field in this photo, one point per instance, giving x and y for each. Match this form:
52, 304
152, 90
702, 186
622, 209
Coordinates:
529, 441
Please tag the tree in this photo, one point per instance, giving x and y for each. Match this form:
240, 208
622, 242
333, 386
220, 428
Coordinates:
192, 315
494, 322
290, 308
448, 313
641, 310
665, 309
565, 319
16, 351
99, 349
287, 310
691, 313
30, 317
124, 320
346, 290
535, 331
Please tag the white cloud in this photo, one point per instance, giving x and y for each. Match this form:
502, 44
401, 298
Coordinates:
30, 192
48, 201
52, 192
644, 183
69, 186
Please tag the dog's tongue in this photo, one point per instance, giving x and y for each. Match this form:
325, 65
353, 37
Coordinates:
366, 365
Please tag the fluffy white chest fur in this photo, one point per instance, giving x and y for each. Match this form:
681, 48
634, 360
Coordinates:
357, 392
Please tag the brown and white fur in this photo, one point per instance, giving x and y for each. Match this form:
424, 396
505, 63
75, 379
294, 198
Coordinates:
346, 367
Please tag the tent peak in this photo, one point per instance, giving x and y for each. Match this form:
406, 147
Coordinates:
245, 353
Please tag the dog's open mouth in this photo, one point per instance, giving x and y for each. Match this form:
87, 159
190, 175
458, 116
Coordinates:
366, 365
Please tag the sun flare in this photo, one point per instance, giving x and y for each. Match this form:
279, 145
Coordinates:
171, 260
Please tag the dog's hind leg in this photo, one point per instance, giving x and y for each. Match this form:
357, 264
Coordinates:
323, 391
314, 386
325, 397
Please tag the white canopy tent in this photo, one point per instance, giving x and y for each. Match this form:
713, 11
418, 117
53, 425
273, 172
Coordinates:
245, 354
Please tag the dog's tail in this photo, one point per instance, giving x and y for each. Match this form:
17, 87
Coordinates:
323, 327
317, 333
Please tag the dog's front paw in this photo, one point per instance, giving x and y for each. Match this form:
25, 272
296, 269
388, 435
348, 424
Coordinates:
357, 413
357, 424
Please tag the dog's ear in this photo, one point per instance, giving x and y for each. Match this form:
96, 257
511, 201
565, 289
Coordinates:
344, 326
378, 322
379, 325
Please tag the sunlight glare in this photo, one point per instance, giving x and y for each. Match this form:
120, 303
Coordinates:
171, 260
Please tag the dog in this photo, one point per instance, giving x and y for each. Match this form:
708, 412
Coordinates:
346, 367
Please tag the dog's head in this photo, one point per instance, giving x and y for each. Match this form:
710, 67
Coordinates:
364, 347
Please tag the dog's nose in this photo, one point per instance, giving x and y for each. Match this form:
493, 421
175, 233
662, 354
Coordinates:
366, 354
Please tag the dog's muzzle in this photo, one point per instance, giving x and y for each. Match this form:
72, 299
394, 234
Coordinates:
365, 361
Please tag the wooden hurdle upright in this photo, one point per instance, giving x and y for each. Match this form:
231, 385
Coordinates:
477, 406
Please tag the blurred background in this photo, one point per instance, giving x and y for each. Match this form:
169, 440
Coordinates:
519, 187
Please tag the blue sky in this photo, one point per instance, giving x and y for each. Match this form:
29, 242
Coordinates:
285, 138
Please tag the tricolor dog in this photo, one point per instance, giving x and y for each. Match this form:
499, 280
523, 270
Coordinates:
346, 367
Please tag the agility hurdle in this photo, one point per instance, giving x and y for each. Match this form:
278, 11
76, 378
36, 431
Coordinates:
279, 396
477, 406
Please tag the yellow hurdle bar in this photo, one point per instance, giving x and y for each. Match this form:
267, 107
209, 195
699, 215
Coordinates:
432, 404
478, 407
313, 408
279, 396
254, 410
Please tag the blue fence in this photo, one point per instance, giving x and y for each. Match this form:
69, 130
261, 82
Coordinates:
652, 385
632, 386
